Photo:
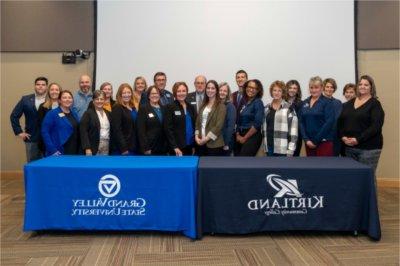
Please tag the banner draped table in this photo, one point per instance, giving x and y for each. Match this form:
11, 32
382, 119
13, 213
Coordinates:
111, 193
240, 195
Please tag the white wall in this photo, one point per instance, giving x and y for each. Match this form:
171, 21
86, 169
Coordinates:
270, 40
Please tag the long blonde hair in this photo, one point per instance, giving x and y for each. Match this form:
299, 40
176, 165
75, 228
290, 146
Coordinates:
48, 103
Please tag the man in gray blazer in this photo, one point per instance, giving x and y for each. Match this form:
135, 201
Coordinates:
196, 98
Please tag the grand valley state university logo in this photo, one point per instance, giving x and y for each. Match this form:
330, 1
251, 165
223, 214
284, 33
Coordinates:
109, 187
288, 200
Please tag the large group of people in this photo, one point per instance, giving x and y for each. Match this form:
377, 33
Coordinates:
211, 121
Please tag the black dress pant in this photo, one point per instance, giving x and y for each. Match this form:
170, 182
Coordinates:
205, 151
250, 147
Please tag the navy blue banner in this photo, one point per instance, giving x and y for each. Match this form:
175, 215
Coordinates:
111, 193
240, 195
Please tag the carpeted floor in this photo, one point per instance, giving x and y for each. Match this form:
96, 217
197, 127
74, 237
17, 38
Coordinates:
154, 248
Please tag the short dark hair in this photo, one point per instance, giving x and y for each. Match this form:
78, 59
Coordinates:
349, 86
241, 71
65, 92
42, 79
260, 88
158, 74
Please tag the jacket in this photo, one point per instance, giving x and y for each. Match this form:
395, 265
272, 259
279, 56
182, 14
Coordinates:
214, 125
123, 134
89, 128
26, 106
285, 129
151, 134
56, 130
175, 124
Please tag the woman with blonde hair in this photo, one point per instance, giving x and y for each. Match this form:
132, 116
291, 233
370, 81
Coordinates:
317, 118
50, 103
123, 119
139, 87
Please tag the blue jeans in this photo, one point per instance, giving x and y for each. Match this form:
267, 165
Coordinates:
368, 157
32, 151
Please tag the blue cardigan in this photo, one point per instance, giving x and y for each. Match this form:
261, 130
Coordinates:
229, 126
56, 129
317, 123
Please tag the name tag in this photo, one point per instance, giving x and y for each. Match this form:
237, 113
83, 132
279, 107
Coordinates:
177, 112
61, 114
194, 103
151, 115
169, 96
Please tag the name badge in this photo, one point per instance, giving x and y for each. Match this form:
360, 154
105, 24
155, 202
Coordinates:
169, 96
61, 114
177, 112
194, 103
151, 115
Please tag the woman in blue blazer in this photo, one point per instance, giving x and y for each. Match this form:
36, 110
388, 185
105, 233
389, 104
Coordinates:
60, 128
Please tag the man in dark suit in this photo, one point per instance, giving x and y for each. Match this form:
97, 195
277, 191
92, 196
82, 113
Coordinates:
237, 96
28, 106
196, 98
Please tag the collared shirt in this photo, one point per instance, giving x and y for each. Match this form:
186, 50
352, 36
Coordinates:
199, 100
104, 125
39, 99
81, 102
251, 115
166, 97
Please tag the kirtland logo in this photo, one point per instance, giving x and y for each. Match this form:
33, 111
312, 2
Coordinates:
283, 187
287, 200
109, 186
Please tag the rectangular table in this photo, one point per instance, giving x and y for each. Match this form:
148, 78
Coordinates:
111, 193
240, 195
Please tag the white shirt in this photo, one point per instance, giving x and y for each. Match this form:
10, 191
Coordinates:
204, 116
104, 125
39, 100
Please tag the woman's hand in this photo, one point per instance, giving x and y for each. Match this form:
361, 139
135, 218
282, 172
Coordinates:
310, 144
88, 152
178, 152
147, 152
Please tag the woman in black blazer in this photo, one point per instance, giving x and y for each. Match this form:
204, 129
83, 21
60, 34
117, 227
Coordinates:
95, 127
179, 122
123, 119
150, 125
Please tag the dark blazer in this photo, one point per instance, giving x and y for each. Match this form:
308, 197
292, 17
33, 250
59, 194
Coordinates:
191, 99
235, 101
175, 124
123, 134
151, 133
90, 130
56, 130
26, 106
